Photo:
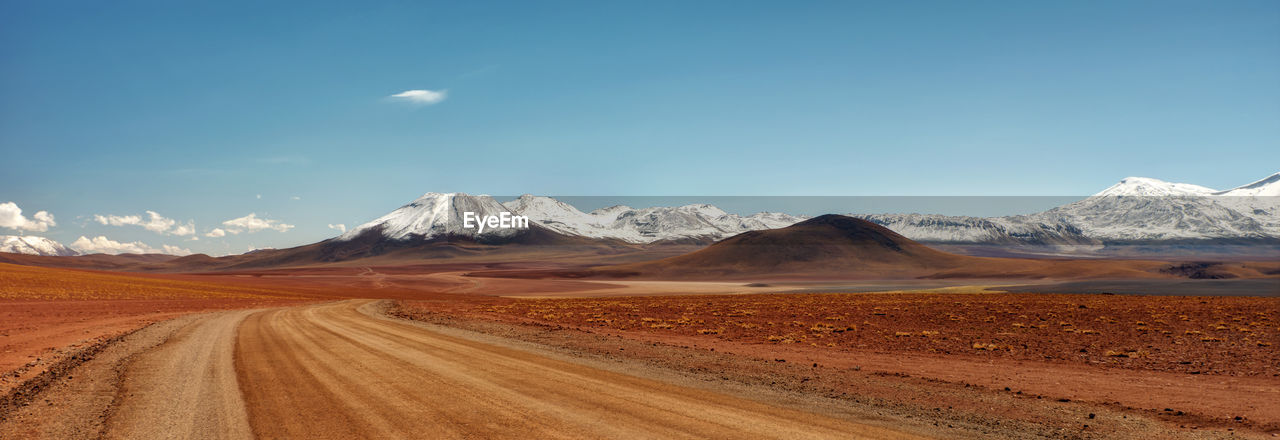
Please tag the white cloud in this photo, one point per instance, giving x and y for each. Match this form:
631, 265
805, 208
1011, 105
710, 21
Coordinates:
174, 250
104, 245
251, 223
154, 222
339, 226
421, 97
259, 196
182, 230
216, 232
117, 220
296, 198
11, 217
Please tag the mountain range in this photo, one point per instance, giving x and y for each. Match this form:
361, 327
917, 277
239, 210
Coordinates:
1134, 212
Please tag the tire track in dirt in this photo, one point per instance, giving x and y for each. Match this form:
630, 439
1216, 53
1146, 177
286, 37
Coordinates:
77, 405
186, 387
330, 371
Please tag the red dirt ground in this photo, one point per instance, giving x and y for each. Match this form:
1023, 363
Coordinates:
35, 334
1238, 336
1217, 358
1197, 356
47, 314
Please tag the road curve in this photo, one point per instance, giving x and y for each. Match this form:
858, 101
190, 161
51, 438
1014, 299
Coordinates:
330, 371
185, 387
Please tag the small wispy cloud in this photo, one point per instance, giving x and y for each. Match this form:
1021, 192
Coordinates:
251, 223
216, 232
339, 226
11, 217
421, 97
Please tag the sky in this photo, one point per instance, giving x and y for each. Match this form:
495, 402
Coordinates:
271, 121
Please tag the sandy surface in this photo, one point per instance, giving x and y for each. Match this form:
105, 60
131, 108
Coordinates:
36, 335
333, 372
77, 403
186, 387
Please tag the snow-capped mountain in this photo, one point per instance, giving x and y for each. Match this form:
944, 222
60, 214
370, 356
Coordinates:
560, 216
32, 245
1149, 209
1268, 187
1133, 210
441, 215
934, 228
436, 215
648, 225
1136, 209
1148, 187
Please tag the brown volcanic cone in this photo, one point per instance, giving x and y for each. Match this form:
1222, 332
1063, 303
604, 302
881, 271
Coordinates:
826, 245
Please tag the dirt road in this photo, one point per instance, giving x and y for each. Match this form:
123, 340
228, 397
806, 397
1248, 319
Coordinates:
186, 387
330, 371
338, 371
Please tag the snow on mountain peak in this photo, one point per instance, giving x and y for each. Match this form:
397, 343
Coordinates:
32, 245
433, 215
1148, 187
546, 206
441, 214
704, 209
647, 225
1267, 187
1141, 208
1136, 208
611, 212
559, 216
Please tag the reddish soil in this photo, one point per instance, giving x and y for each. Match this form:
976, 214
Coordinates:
1195, 356
1235, 336
1206, 360
47, 314
37, 334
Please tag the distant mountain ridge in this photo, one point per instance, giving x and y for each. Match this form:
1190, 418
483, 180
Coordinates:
1267, 187
441, 215
832, 246
647, 225
1136, 209
32, 245
435, 215
827, 244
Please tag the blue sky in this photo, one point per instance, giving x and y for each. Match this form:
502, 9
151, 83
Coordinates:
193, 111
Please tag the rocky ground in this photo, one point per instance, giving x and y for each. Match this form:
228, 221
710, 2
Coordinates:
1056, 362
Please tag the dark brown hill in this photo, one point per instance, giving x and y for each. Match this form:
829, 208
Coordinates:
825, 245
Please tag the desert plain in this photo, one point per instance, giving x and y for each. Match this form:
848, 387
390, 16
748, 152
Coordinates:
465, 349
